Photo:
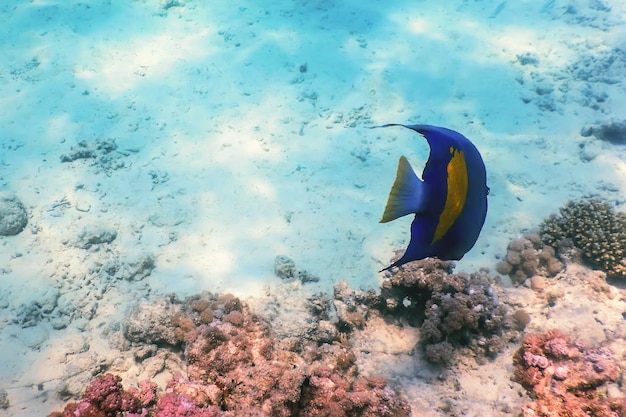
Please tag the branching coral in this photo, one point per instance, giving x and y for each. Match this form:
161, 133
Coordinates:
563, 377
595, 228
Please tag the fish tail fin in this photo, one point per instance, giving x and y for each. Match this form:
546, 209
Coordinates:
406, 193
393, 265
387, 125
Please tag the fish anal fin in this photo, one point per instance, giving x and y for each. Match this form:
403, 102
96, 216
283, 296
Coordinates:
406, 193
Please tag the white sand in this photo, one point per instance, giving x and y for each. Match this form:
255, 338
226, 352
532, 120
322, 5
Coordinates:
230, 153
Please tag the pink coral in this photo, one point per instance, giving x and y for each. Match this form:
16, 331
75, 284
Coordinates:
329, 394
562, 377
104, 397
107, 394
147, 393
175, 405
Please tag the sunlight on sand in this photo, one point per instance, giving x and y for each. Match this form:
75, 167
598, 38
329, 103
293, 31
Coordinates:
117, 68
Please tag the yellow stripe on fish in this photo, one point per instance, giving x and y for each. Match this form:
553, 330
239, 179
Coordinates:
457, 193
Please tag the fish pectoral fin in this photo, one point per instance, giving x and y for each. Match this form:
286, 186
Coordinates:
406, 193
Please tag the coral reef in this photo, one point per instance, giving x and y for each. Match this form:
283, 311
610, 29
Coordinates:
593, 226
527, 257
329, 394
452, 310
13, 216
237, 367
564, 378
238, 358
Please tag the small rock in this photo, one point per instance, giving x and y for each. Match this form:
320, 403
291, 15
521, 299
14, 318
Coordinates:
613, 391
13, 216
151, 323
80, 151
537, 283
214, 393
528, 59
611, 131
4, 399
306, 277
284, 267
138, 269
560, 372
35, 337
522, 318
326, 332
95, 236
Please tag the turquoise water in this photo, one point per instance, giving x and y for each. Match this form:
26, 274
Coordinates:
211, 137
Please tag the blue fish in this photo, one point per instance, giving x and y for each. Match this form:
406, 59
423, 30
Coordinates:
449, 202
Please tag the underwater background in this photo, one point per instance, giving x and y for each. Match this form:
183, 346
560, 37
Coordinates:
174, 173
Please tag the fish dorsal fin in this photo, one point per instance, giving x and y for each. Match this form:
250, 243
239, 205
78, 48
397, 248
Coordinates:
406, 193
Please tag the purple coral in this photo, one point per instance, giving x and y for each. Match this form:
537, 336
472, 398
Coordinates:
452, 310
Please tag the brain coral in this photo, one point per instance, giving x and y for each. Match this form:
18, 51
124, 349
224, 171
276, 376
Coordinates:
595, 228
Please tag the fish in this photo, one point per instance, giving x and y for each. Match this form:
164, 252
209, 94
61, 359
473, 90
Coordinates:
449, 201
